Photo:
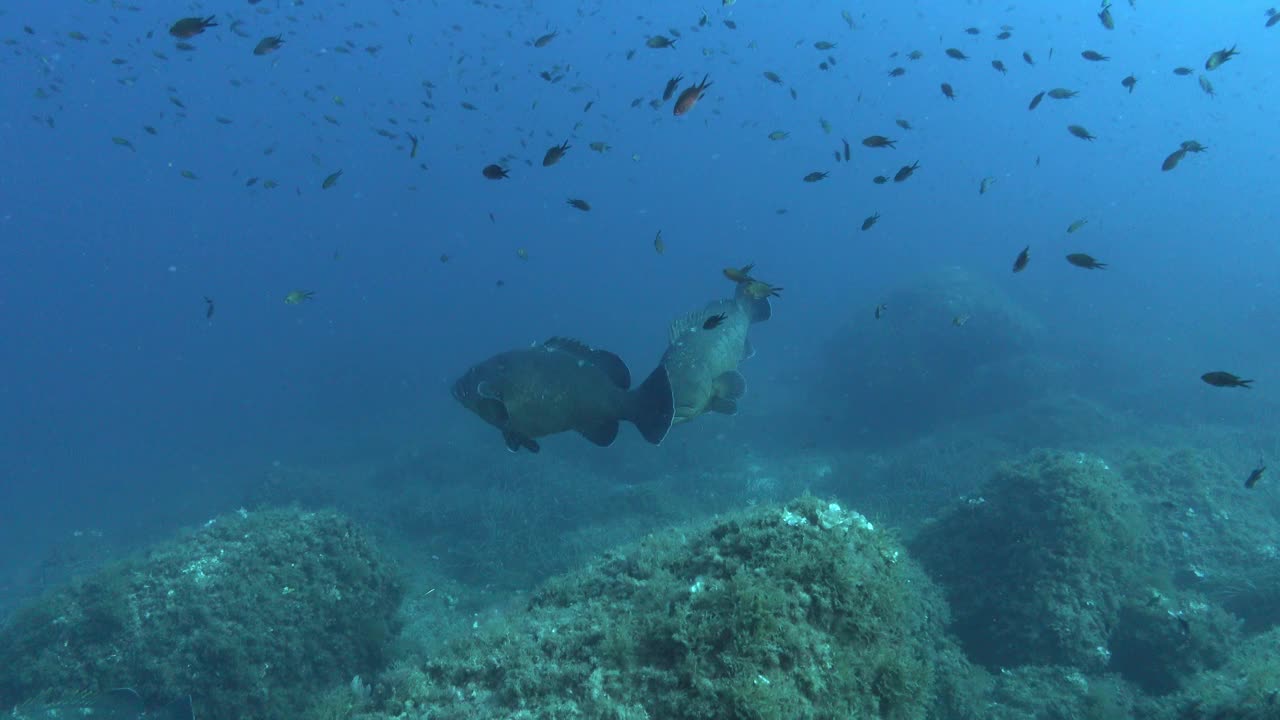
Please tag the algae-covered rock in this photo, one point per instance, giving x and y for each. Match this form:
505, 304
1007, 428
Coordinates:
788, 612
1038, 565
252, 615
1246, 688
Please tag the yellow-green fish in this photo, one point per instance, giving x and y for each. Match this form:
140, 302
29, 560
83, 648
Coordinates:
1076, 225
331, 180
297, 297
123, 143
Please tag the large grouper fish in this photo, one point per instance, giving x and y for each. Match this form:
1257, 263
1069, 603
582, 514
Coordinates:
562, 385
705, 349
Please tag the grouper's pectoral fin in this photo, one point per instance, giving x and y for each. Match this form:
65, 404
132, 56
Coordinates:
515, 441
602, 433
730, 385
726, 390
722, 406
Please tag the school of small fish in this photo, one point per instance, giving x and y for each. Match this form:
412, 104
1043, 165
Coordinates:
281, 31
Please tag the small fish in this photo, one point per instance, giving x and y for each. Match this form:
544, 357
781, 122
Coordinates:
1035, 101
1207, 86
779, 135
878, 141
1193, 146
600, 147
956, 54
330, 180
544, 40
871, 221
657, 42
297, 297
554, 153
1062, 94
880, 310
904, 124
739, 275
759, 289
582, 205
1218, 378
960, 320
208, 308
985, 185
1273, 17
690, 97
999, 67
1183, 71
1173, 159
880, 179
122, 142
1085, 261
815, 176
773, 77
824, 46
1076, 225
898, 72
1220, 56
906, 171
1094, 56
1255, 476
1026, 56
189, 175
1024, 257
1128, 83
672, 85
268, 45
1082, 133
846, 149
494, 172
658, 245
948, 92
191, 27
1104, 16
413, 148
713, 322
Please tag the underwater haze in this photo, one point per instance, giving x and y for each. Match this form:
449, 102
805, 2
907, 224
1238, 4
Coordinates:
226, 261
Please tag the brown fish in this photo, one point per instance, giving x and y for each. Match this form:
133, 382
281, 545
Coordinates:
739, 275
690, 97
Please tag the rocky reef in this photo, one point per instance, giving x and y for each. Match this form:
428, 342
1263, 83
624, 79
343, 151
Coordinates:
252, 615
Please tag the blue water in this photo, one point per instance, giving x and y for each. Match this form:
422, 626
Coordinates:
121, 406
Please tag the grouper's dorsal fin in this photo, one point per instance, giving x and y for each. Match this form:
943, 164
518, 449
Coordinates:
607, 362
684, 324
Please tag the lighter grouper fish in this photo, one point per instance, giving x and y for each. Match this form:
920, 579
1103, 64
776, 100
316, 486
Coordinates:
706, 347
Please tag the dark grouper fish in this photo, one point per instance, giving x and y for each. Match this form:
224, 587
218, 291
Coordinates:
563, 385
703, 356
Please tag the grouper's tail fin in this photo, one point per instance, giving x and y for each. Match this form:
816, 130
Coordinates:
652, 406
757, 309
